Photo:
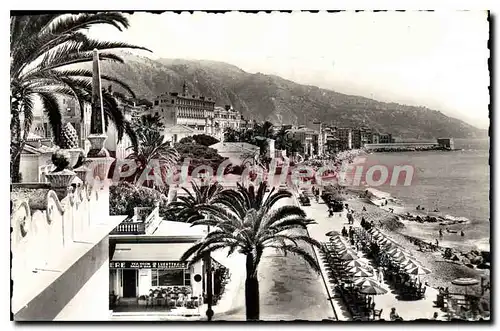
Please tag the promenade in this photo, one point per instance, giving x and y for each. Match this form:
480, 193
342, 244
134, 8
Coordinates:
289, 289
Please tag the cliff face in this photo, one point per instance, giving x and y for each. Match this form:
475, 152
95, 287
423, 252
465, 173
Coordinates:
267, 97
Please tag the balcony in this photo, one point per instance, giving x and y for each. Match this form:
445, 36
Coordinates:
144, 221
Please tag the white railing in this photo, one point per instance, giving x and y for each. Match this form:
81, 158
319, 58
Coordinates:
46, 231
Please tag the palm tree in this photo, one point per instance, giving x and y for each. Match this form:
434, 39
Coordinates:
187, 209
152, 148
245, 221
43, 49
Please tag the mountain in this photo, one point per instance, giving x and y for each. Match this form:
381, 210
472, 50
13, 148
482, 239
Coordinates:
267, 97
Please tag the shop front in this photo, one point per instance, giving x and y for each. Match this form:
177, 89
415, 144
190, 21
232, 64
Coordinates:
139, 269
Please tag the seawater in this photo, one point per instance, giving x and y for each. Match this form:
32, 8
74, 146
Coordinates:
455, 182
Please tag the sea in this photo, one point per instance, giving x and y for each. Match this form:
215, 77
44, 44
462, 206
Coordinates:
456, 183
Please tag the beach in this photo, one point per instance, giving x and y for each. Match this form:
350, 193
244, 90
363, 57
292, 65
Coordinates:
443, 271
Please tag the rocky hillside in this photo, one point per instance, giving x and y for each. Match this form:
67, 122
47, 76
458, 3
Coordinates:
267, 97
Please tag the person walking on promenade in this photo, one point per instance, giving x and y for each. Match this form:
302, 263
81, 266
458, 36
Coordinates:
380, 274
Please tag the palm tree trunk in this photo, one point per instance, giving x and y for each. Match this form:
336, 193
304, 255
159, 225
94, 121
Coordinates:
15, 146
251, 292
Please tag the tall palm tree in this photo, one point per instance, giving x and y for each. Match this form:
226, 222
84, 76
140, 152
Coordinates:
245, 221
43, 49
187, 209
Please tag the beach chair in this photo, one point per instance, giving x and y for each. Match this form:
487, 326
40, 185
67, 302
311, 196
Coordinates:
377, 314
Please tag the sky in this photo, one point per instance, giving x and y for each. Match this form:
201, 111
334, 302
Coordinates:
432, 59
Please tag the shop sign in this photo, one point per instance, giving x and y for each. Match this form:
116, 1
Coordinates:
148, 265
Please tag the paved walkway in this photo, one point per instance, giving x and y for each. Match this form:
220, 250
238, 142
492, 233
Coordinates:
408, 310
289, 289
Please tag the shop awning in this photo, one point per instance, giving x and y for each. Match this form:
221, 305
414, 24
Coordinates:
153, 255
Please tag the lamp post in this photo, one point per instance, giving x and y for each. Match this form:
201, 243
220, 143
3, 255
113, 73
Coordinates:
208, 270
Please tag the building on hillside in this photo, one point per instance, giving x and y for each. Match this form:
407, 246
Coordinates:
375, 138
385, 138
345, 138
195, 112
366, 136
225, 117
307, 137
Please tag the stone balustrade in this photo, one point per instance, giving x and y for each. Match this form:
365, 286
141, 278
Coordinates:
50, 233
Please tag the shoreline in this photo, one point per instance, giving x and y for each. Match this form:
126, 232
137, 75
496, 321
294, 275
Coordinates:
444, 270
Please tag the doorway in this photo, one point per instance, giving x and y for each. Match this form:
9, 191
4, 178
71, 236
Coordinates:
129, 283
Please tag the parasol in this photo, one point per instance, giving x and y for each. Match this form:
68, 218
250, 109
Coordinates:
418, 271
406, 261
410, 265
373, 290
349, 255
355, 263
398, 255
361, 273
362, 282
332, 233
356, 269
382, 240
392, 251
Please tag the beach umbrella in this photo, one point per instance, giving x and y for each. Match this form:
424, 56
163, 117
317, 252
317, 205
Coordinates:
362, 282
392, 251
356, 269
418, 270
361, 273
332, 234
382, 240
406, 261
354, 263
349, 255
411, 265
372, 290
398, 255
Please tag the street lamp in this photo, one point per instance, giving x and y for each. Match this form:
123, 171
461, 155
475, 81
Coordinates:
208, 270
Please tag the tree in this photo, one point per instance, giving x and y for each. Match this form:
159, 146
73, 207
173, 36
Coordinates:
153, 148
124, 197
186, 208
245, 221
198, 155
41, 49
150, 125
200, 139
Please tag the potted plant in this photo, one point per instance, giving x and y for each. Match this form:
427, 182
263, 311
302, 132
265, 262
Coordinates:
60, 178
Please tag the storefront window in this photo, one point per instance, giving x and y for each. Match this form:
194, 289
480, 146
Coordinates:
170, 277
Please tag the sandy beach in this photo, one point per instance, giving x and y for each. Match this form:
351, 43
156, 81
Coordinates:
444, 271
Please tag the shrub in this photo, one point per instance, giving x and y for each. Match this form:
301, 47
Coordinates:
124, 196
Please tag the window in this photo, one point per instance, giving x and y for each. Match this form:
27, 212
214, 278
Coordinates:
170, 277
173, 101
